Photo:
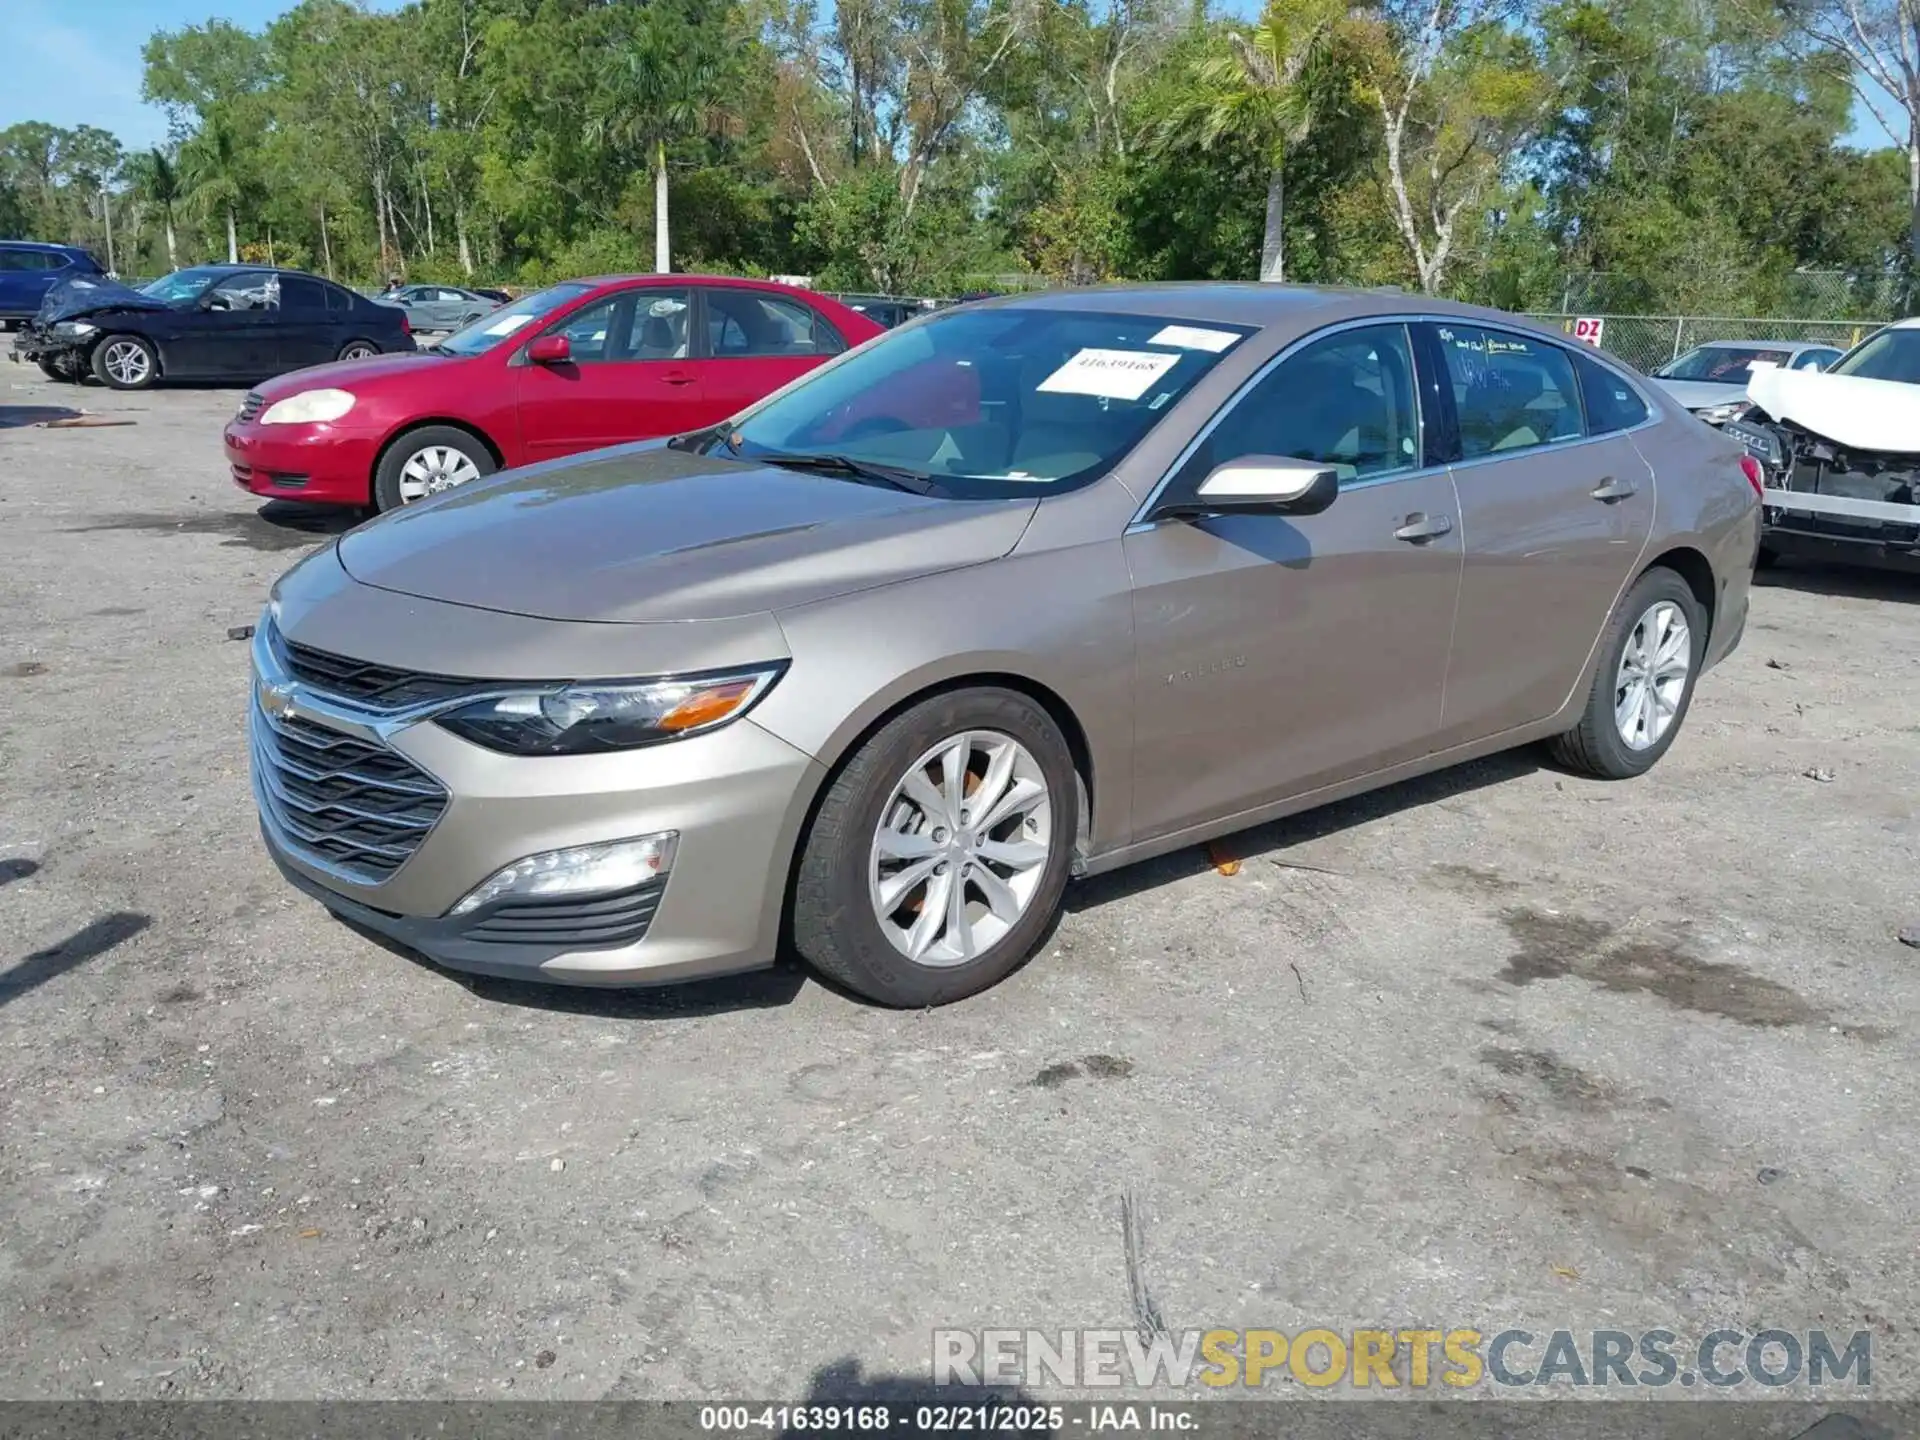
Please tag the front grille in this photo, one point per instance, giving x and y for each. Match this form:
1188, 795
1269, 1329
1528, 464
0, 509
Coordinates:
600, 923
342, 802
252, 405
381, 686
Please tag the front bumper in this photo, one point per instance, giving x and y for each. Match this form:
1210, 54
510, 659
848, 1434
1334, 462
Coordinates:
318, 464
735, 797
30, 344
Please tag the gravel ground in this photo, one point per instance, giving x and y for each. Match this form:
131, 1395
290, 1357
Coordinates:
1500, 1047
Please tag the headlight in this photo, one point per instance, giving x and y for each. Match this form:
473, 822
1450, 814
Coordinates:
77, 329
309, 407
595, 717
1720, 414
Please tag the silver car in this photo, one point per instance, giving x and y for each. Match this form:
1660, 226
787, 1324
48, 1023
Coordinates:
440, 307
1021, 591
1711, 379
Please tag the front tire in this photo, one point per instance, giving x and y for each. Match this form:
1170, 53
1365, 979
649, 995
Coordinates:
937, 860
1649, 659
57, 370
125, 362
427, 461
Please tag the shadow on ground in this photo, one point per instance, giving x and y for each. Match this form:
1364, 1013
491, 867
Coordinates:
1855, 582
56, 960
278, 525
1268, 842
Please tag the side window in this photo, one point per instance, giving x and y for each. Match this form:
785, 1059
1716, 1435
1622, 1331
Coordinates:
297, 292
645, 324
45, 260
12, 260
742, 323
253, 290
1347, 400
1611, 402
1511, 392
336, 298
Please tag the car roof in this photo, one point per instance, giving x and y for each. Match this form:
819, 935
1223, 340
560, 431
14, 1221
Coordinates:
1791, 345
1256, 303
54, 246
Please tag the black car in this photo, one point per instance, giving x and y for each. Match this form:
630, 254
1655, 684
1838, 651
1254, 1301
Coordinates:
209, 322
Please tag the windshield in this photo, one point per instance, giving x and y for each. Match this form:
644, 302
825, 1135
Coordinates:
496, 325
1723, 364
1890, 355
989, 403
182, 286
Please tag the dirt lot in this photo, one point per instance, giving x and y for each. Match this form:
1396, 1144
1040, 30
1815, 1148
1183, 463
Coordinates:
1498, 1048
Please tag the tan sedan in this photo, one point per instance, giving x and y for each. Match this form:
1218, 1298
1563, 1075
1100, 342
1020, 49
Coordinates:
1020, 591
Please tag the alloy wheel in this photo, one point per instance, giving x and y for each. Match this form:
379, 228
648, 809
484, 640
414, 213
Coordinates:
961, 848
127, 362
435, 468
1652, 681
359, 350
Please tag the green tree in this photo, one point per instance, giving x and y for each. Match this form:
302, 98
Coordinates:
214, 167
667, 84
1260, 89
156, 180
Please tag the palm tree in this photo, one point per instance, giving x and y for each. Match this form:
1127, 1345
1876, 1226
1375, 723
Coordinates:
157, 180
1261, 88
664, 88
213, 167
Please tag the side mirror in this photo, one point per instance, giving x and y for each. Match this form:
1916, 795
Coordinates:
550, 350
1264, 485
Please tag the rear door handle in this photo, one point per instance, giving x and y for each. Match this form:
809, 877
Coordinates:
677, 377
1421, 528
1609, 490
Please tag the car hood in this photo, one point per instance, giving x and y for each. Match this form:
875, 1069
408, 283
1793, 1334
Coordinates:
1699, 394
89, 295
645, 533
352, 374
1859, 413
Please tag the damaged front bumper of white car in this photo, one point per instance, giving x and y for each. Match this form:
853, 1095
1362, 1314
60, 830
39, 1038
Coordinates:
1841, 457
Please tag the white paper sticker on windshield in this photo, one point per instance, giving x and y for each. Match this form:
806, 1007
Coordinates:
506, 324
1191, 337
1113, 374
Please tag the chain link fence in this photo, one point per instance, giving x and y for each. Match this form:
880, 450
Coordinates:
1648, 342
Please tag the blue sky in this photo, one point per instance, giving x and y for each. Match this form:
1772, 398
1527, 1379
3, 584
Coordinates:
76, 62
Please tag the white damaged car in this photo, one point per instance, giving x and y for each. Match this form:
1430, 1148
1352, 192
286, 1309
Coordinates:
1841, 453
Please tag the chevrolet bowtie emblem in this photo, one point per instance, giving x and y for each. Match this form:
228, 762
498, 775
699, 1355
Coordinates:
276, 700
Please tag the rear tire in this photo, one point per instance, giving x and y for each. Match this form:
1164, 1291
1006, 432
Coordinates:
1640, 692
358, 350
870, 833
126, 362
428, 461
1765, 558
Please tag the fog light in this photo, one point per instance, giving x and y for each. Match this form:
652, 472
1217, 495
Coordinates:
581, 870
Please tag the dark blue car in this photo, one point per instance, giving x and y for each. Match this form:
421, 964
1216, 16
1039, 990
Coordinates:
28, 270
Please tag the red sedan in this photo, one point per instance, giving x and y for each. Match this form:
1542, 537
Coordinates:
574, 367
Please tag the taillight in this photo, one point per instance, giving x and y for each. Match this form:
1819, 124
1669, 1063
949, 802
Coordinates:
1756, 477
406, 326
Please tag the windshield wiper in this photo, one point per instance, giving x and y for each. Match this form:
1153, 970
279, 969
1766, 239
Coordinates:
911, 481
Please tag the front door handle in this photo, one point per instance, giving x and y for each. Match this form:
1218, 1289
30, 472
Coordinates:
1610, 490
1421, 528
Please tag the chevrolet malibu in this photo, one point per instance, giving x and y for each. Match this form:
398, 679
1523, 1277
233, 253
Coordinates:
577, 366
1018, 592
